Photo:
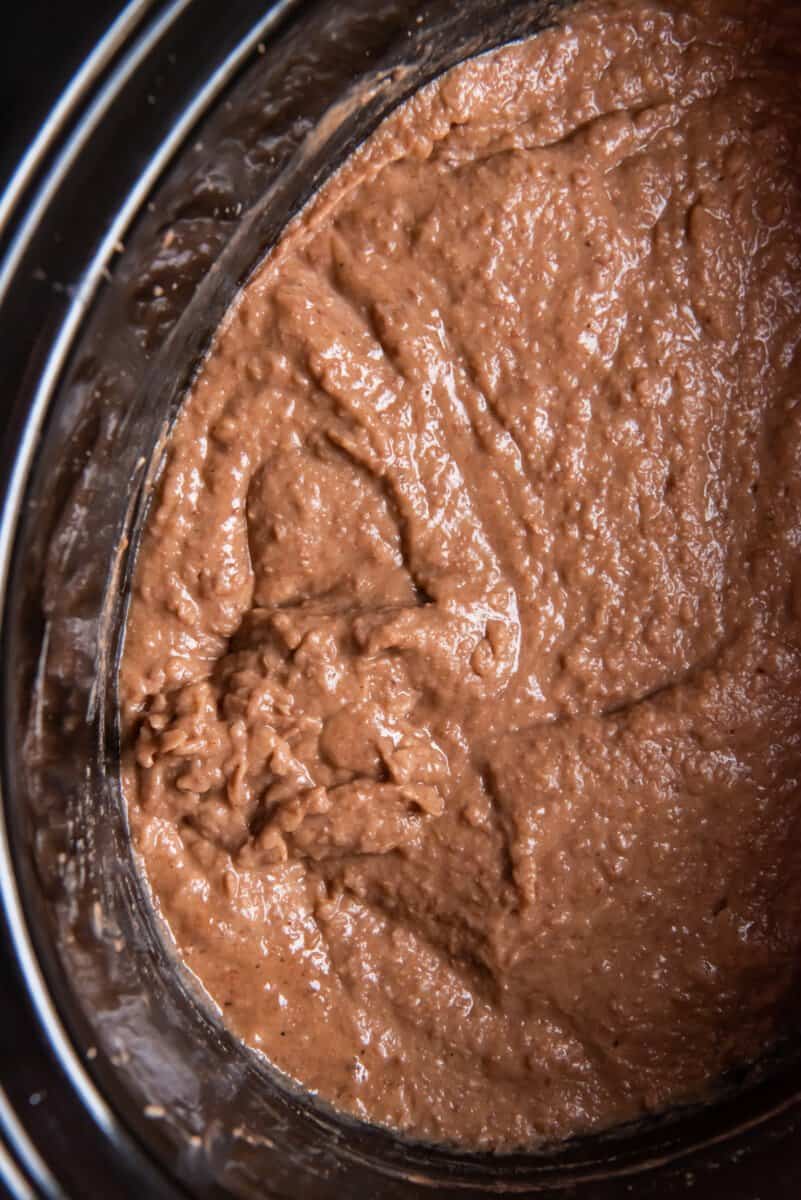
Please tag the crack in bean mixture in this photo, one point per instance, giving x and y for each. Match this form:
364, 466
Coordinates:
462, 681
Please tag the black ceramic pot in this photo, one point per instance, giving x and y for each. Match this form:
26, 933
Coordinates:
194, 132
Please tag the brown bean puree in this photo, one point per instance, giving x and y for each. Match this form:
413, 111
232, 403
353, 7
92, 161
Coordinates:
463, 668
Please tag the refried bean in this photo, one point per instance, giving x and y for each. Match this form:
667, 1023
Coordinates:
462, 676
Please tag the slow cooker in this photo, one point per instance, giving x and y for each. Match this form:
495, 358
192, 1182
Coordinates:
168, 167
